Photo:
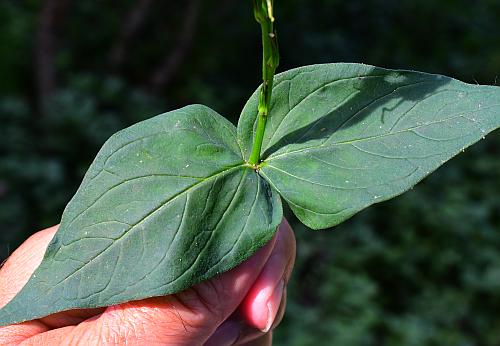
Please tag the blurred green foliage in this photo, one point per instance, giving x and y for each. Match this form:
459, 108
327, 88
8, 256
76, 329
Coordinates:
423, 269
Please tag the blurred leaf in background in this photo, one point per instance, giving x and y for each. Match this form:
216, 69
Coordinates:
423, 269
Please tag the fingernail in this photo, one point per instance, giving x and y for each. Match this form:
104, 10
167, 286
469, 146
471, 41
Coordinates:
273, 305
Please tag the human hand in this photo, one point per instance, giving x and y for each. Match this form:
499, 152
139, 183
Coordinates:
239, 307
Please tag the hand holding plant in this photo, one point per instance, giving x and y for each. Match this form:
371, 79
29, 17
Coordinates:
236, 307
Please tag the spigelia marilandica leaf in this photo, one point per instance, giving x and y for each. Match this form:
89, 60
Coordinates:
344, 136
166, 204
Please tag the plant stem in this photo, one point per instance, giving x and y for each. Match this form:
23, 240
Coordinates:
263, 11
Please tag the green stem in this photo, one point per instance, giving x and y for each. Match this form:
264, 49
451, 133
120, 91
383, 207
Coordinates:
263, 11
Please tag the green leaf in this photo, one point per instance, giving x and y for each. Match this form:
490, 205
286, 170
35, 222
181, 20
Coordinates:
170, 202
342, 137
166, 204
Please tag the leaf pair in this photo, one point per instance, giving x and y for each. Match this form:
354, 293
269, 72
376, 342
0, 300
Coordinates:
170, 201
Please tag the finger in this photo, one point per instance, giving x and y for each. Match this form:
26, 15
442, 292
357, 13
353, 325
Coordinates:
264, 340
53, 337
13, 276
22, 263
228, 335
70, 317
187, 318
260, 306
281, 311
15, 334
235, 331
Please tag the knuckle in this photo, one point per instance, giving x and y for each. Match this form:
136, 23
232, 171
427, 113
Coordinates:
208, 300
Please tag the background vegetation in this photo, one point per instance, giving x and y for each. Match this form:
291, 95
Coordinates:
423, 269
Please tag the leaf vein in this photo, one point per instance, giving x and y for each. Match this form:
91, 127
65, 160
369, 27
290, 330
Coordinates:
163, 204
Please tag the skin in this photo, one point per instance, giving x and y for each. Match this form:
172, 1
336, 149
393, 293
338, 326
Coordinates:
239, 307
